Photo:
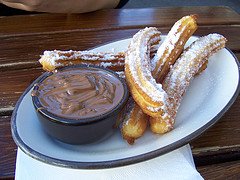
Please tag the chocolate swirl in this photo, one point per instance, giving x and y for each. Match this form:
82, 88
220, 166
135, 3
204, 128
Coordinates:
80, 93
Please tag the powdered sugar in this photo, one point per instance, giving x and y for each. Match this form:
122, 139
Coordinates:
138, 59
121, 74
174, 40
188, 65
153, 109
56, 58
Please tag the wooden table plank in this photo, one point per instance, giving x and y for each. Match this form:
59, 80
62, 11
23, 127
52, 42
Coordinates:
8, 148
229, 170
12, 85
34, 45
126, 18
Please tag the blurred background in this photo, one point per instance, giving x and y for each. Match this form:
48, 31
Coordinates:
234, 4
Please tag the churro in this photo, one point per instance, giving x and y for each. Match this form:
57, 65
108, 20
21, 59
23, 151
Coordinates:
145, 91
172, 46
51, 60
134, 123
192, 60
166, 55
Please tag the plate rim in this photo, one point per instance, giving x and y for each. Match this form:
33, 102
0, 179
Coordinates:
118, 162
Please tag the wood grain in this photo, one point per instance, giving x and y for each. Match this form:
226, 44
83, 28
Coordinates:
12, 85
8, 148
113, 19
21, 44
35, 45
229, 170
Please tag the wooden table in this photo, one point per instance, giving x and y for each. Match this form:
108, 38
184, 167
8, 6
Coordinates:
24, 38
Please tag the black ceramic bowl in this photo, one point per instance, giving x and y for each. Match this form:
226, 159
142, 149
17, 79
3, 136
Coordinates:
81, 130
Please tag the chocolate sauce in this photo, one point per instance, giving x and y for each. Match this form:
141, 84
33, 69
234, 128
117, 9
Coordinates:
80, 93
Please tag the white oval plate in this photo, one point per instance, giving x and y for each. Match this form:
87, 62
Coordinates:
207, 99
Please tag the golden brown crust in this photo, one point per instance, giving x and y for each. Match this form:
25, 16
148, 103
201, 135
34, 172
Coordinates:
192, 61
135, 125
173, 46
144, 89
162, 61
52, 60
